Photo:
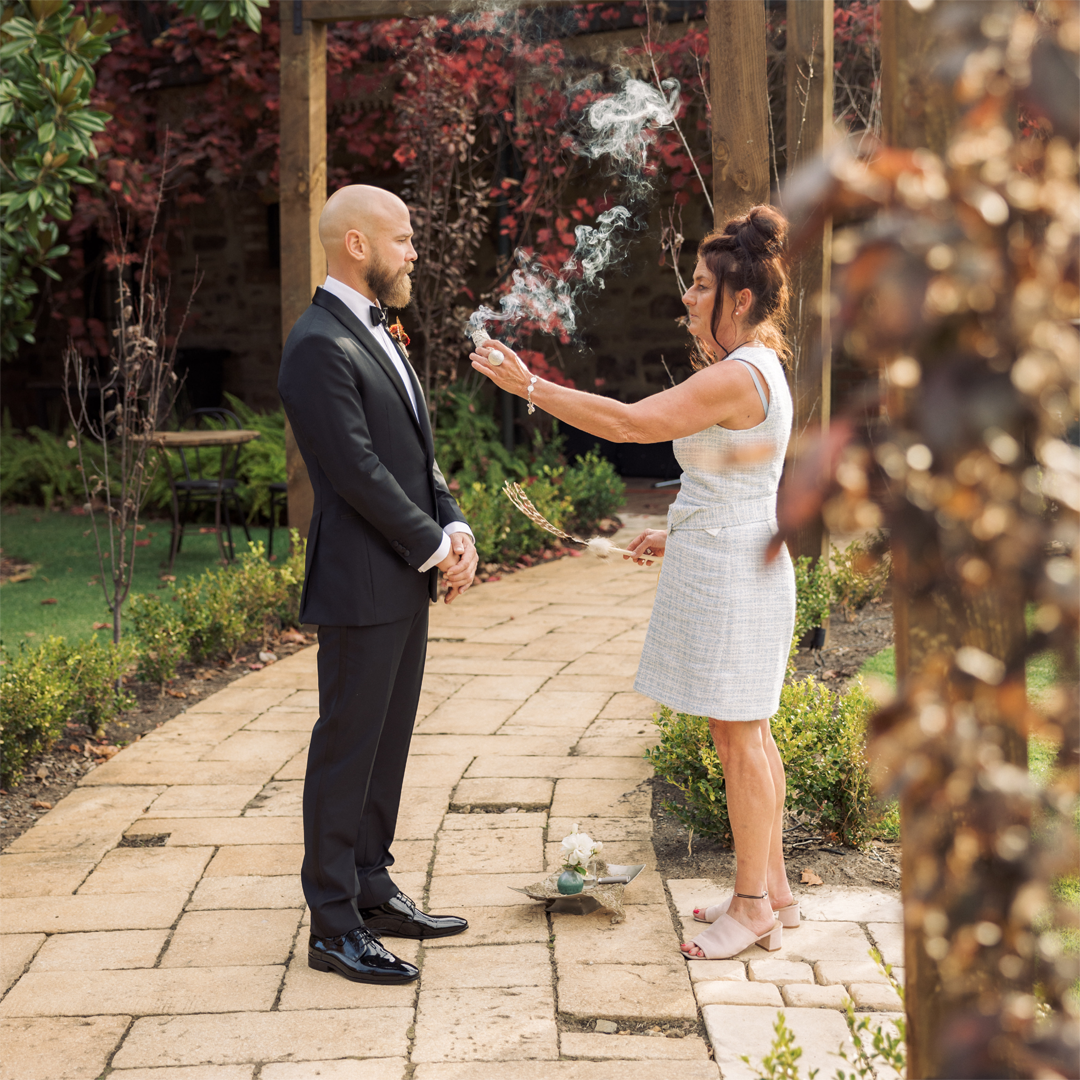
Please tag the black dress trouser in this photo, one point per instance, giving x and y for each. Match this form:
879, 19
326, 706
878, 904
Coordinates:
369, 688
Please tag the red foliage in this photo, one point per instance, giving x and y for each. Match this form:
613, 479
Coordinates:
217, 100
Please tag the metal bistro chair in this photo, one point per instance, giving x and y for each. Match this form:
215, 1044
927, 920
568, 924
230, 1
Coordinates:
279, 500
199, 486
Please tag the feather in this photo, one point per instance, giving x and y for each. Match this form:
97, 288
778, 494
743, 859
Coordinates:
600, 546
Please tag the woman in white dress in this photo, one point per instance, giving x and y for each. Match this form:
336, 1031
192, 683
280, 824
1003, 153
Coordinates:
721, 627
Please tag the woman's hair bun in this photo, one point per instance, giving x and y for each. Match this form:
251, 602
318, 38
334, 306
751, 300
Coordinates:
761, 233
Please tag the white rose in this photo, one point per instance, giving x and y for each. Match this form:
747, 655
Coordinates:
579, 848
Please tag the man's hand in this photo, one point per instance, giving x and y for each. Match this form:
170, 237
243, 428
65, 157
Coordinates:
459, 576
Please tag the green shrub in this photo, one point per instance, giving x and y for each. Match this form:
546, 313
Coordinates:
38, 468
262, 461
163, 640
225, 608
860, 573
813, 595
821, 738
471, 454
270, 591
212, 611
821, 735
43, 688
468, 444
594, 488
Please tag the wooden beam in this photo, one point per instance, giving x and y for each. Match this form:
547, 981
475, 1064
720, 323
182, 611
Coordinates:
809, 60
303, 193
740, 106
916, 109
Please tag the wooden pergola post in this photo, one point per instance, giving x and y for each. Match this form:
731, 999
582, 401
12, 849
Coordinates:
740, 107
809, 62
303, 193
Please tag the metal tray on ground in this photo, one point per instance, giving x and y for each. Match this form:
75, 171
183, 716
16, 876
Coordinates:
602, 892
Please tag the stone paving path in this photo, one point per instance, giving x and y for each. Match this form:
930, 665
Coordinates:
187, 960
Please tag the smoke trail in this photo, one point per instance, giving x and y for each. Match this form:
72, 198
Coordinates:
623, 126
619, 127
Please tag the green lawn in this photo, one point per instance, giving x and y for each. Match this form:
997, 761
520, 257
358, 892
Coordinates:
67, 570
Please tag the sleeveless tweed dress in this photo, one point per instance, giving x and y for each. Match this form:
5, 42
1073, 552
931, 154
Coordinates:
721, 626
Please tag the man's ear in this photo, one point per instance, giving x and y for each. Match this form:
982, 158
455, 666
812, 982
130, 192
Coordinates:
356, 244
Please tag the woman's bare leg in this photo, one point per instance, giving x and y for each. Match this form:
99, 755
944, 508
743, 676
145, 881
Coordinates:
779, 887
751, 788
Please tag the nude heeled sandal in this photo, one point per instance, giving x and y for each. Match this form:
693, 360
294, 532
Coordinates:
789, 916
727, 937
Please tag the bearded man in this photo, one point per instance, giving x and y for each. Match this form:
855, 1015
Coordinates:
384, 524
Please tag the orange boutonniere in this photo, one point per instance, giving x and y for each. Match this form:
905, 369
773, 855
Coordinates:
397, 332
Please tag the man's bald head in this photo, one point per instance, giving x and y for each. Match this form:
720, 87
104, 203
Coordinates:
358, 207
365, 232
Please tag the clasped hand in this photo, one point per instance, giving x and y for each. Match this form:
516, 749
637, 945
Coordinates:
459, 567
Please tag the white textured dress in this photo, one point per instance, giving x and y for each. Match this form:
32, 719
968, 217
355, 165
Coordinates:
721, 626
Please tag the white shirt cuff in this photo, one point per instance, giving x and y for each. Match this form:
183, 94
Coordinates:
458, 526
444, 548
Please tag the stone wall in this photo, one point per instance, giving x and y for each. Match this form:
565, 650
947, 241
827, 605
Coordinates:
238, 306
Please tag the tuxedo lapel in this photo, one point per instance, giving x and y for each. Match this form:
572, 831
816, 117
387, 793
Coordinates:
340, 310
421, 403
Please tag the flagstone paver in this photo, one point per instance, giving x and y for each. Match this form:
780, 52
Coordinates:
187, 961
37, 874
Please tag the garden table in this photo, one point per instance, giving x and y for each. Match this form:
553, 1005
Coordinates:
198, 440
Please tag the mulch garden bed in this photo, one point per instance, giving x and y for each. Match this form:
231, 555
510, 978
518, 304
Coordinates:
848, 646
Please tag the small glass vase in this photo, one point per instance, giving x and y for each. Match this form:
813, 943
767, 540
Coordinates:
570, 882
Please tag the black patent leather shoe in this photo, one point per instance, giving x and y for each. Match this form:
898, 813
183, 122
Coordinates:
359, 956
400, 917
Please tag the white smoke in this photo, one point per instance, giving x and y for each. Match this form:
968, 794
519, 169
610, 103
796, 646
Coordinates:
619, 127
622, 126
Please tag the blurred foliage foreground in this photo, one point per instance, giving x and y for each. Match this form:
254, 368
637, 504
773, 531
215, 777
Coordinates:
956, 277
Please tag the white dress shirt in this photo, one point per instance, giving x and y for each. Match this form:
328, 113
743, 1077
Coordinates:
359, 305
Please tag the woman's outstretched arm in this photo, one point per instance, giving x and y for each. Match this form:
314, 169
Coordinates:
720, 394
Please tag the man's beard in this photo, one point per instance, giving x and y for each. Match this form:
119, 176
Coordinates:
391, 290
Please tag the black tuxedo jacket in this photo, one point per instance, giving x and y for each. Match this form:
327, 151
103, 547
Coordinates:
380, 500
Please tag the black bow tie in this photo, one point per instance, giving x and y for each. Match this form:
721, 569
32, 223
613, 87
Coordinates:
377, 315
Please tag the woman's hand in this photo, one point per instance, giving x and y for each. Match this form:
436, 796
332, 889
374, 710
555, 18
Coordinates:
511, 375
650, 542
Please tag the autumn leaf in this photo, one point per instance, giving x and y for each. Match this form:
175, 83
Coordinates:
810, 878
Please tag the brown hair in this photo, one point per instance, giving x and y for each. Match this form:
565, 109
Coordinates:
748, 253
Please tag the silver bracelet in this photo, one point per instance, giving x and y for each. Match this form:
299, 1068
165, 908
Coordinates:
528, 397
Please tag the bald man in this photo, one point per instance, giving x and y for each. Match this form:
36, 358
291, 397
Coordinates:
384, 525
